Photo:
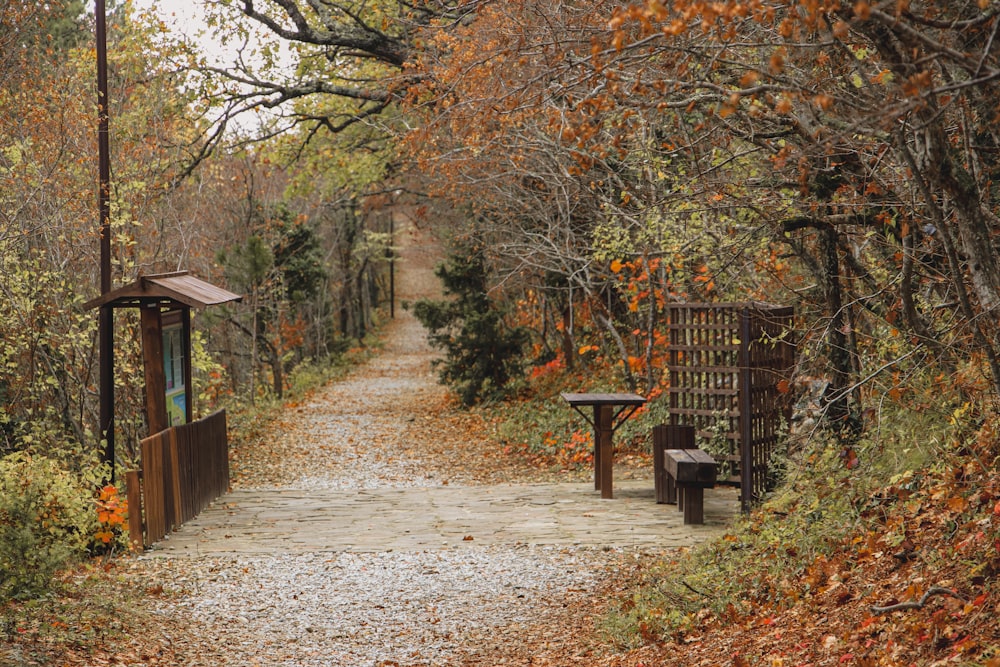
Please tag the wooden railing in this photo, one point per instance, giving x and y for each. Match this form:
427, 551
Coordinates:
184, 468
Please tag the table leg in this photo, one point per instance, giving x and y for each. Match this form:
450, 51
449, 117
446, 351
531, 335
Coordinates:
597, 448
604, 427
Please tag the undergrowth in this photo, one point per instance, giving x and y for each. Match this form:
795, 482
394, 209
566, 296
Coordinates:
915, 503
85, 619
70, 611
540, 424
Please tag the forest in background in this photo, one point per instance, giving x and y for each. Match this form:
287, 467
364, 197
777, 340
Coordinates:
597, 160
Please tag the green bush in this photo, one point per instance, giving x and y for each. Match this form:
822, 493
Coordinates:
483, 354
47, 520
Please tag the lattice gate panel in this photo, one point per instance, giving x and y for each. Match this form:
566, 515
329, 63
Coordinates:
702, 362
767, 358
725, 362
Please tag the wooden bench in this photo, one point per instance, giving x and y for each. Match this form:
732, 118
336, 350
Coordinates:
665, 436
693, 471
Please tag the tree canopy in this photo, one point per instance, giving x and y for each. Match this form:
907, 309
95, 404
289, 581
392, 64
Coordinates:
839, 156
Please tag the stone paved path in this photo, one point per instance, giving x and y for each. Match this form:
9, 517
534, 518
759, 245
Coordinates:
369, 520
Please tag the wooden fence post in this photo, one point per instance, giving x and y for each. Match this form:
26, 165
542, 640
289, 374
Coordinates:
175, 479
133, 496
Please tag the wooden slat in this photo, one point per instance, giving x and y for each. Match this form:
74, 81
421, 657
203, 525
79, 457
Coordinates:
133, 496
175, 481
184, 468
690, 466
153, 493
156, 383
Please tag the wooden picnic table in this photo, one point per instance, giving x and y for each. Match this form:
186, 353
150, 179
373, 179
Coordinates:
609, 412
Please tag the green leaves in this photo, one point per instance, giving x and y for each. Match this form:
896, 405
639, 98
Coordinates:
47, 518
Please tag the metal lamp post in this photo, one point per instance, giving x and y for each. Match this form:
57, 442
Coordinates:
106, 343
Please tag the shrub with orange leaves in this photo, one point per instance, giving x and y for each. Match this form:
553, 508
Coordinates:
112, 513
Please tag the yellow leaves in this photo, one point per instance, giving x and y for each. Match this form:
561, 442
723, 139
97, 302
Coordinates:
960, 413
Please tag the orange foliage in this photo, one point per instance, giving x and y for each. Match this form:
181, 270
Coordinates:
112, 512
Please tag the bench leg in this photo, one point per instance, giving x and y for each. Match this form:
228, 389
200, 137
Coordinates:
661, 481
679, 436
694, 504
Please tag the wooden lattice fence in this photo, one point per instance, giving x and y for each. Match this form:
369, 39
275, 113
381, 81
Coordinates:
727, 363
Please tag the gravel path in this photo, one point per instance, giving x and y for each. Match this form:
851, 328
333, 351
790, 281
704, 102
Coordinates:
387, 425
396, 608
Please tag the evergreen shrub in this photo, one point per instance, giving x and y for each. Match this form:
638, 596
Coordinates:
482, 354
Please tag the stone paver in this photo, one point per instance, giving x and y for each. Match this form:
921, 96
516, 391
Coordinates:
369, 520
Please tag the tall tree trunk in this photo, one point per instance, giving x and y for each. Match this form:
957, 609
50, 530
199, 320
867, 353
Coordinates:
956, 274
973, 231
838, 345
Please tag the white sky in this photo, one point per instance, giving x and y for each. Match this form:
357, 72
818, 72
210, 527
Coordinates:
187, 17
184, 17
